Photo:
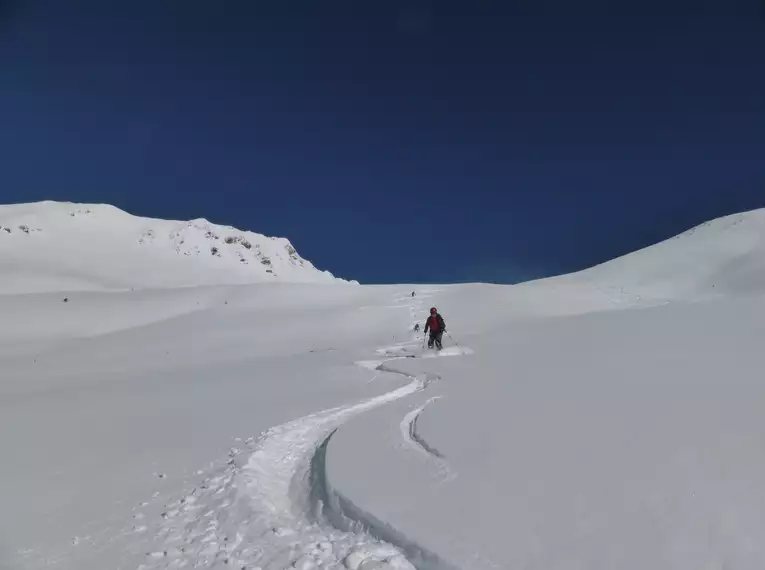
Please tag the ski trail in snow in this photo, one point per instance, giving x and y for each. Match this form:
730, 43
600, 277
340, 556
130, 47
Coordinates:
262, 514
403, 350
409, 431
414, 440
267, 513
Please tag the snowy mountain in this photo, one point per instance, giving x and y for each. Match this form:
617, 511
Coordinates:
308, 427
53, 246
725, 255
721, 257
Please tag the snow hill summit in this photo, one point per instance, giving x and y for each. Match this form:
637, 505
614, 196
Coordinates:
53, 246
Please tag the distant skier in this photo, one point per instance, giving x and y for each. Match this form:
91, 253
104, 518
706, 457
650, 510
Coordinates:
437, 327
417, 327
412, 293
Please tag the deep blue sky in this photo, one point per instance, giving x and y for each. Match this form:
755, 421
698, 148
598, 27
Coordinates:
394, 141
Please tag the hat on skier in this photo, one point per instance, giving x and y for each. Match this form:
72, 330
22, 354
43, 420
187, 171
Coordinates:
433, 310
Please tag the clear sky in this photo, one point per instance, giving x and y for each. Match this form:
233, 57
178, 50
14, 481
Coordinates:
394, 141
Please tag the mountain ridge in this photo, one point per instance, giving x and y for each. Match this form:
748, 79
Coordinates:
49, 246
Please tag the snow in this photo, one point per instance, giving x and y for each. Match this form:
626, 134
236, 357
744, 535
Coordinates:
53, 246
605, 419
104, 430
722, 256
629, 439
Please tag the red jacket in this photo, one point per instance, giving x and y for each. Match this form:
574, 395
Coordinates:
435, 323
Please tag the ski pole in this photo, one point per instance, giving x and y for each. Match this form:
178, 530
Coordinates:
452, 339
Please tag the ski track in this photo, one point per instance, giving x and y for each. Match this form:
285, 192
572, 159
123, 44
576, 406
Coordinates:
409, 431
414, 440
276, 510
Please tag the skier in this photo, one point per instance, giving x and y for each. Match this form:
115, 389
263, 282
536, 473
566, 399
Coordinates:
417, 327
437, 327
412, 293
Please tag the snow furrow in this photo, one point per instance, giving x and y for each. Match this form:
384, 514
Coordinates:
342, 513
409, 431
277, 511
414, 440
265, 513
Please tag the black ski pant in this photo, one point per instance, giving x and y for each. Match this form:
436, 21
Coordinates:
435, 337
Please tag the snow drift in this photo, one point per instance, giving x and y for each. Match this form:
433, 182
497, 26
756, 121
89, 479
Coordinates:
51, 246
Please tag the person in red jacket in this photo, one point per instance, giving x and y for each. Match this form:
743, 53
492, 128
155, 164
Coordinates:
437, 327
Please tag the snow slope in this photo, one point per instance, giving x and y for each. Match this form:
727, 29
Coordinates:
304, 426
616, 439
721, 256
109, 434
50, 246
